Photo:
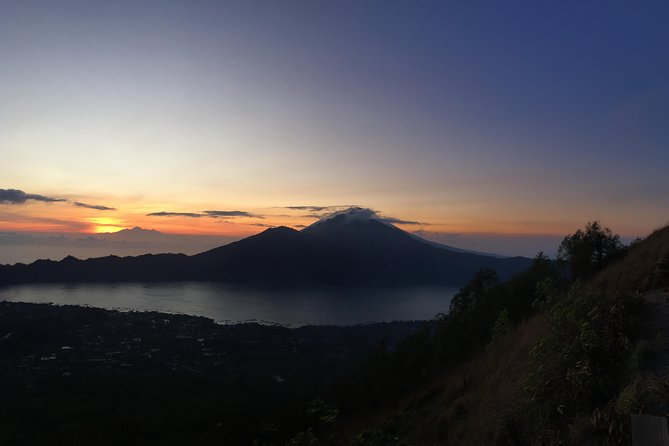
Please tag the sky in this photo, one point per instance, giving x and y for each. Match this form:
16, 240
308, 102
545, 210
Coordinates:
475, 122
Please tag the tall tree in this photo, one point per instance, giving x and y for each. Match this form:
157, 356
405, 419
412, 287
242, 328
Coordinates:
587, 251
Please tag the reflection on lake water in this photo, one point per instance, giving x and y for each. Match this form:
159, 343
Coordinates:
232, 303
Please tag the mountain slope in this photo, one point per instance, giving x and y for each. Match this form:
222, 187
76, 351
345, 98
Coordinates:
492, 398
351, 247
274, 255
644, 267
371, 248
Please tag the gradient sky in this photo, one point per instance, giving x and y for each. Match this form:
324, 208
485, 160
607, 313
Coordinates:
466, 117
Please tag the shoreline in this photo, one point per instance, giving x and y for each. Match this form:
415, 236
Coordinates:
222, 322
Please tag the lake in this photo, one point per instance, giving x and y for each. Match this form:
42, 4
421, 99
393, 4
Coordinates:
233, 304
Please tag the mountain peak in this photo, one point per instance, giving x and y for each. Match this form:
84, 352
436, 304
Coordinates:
135, 234
137, 230
279, 230
348, 216
70, 259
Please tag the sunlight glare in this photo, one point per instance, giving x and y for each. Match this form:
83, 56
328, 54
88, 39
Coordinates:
106, 224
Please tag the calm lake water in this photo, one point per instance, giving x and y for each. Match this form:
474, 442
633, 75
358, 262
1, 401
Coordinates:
232, 304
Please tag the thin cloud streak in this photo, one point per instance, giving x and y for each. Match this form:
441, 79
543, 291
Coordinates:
213, 214
227, 214
325, 214
399, 221
321, 211
311, 208
98, 207
370, 212
174, 214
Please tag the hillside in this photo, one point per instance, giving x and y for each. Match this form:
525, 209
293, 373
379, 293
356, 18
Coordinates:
645, 266
570, 371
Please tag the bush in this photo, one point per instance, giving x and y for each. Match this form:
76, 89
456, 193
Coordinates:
581, 365
588, 251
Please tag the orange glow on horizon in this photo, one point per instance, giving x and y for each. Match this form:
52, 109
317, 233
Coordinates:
102, 229
65, 218
106, 224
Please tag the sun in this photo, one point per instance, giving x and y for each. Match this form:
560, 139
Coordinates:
105, 224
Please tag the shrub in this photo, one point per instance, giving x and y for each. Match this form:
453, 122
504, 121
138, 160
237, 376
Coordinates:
581, 365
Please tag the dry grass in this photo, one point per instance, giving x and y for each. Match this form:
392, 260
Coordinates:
634, 272
470, 404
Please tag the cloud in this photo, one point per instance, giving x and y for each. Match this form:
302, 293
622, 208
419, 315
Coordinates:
227, 214
98, 207
326, 209
367, 213
311, 208
319, 212
315, 215
212, 214
15, 196
263, 225
174, 214
398, 221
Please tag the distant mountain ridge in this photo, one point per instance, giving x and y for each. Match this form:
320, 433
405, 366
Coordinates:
352, 247
454, 249
132, 234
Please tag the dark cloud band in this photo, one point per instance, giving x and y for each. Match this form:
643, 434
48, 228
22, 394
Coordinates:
174, 214
15, 196
226, 214
398, 221
98, 207
321, 208
212, 214
310, 208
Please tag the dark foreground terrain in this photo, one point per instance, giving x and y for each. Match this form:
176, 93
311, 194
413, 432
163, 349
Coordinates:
73, 375
563, 353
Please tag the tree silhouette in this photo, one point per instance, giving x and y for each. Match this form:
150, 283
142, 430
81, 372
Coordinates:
587, 251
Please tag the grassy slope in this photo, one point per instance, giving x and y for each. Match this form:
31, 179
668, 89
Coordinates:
470, 404
473, 403
641, 269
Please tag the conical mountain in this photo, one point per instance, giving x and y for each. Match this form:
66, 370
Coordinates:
354, 246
